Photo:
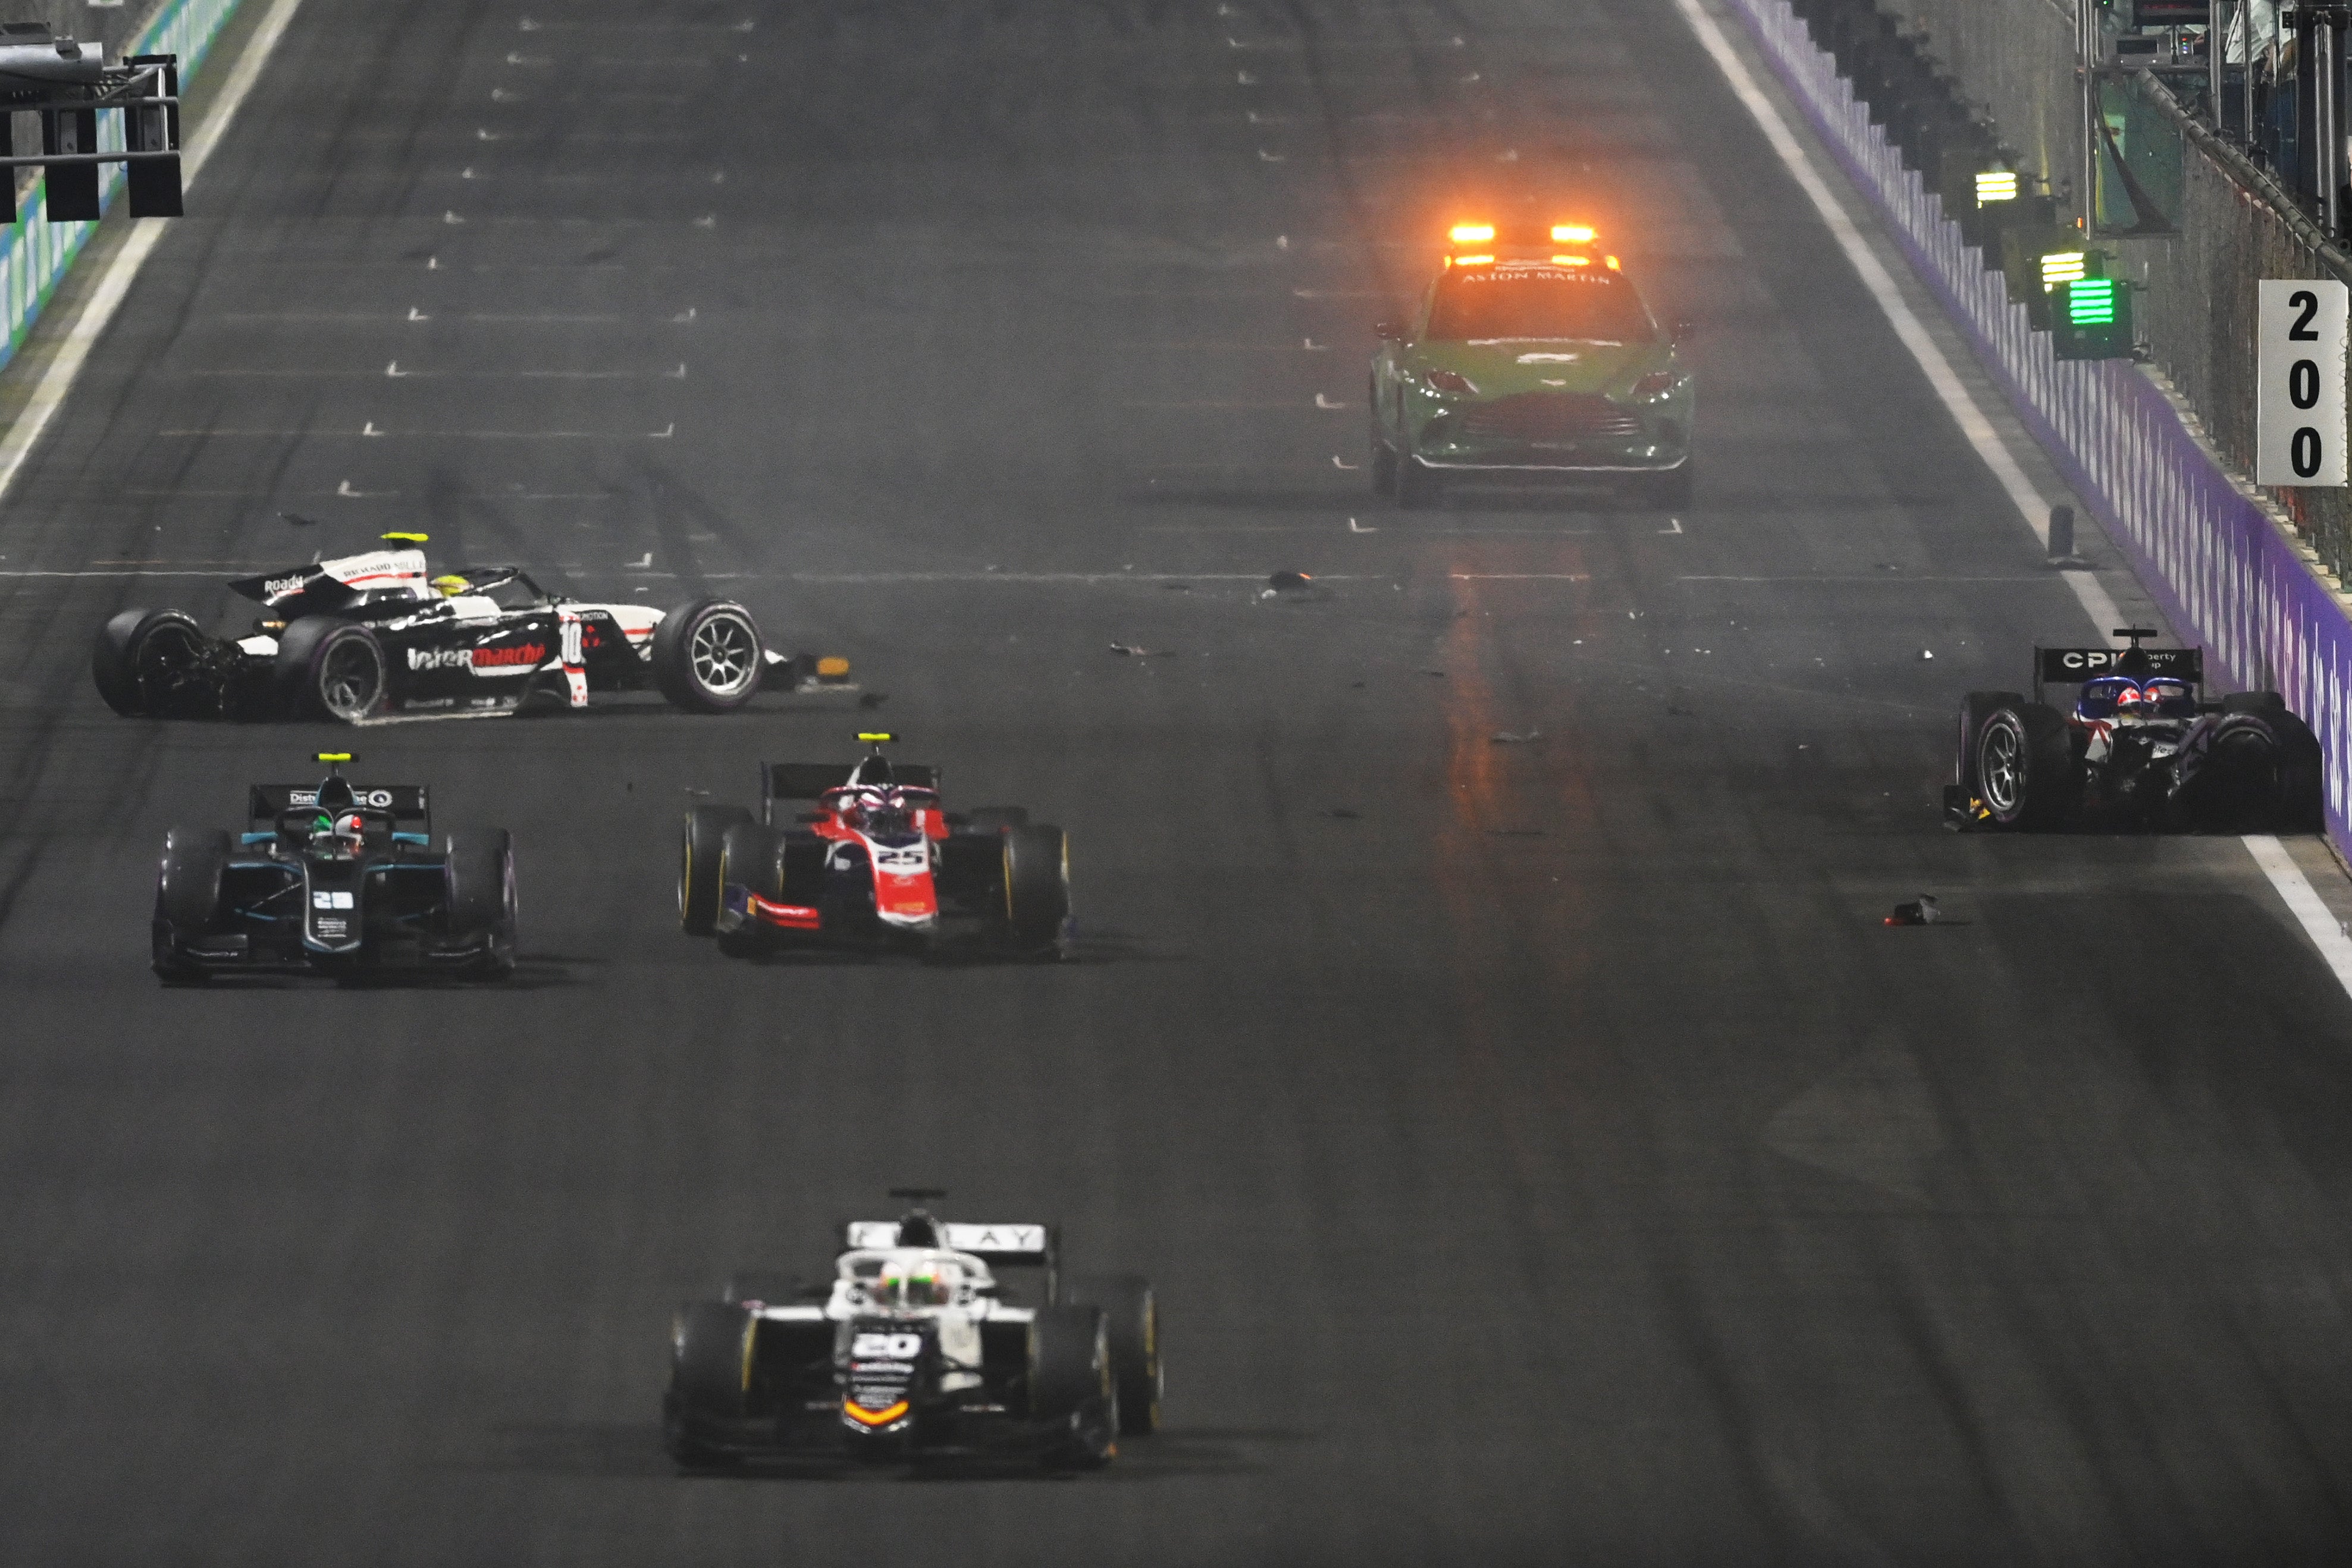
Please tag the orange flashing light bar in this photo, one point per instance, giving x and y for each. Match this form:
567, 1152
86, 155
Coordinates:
1573, 234
1469, 261
859, 1413
1471, 233
1612, 263
1571, 261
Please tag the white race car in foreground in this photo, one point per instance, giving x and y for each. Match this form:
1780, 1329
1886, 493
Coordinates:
915, 1349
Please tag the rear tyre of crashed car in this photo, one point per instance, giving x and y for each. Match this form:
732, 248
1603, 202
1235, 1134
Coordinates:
1132, 1319
700, 840
188, 899
1071, 1385
708, 655
2024, 766
482, 898
1037, 887
149, 662
2254, 767
329, 667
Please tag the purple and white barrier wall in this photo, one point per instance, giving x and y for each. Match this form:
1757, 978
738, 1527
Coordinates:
2225, 571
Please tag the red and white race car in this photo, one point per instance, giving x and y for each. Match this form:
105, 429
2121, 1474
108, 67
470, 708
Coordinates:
879, 858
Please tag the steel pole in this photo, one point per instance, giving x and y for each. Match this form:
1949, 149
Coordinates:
2328, 167
2217, 39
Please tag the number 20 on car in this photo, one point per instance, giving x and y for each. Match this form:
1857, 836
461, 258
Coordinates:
2299, 432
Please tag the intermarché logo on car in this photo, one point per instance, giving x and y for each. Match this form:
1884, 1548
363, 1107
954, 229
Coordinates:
504, 661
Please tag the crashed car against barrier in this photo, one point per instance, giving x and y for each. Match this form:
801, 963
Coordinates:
878, 859
335, 878
1532, 357
917, 1346
372, 636
2139, 748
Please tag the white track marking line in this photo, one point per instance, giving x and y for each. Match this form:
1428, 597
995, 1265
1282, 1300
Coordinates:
1949, 389
57, 381
2304, 903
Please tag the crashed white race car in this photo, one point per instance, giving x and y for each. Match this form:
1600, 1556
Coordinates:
374, 637
916, 1349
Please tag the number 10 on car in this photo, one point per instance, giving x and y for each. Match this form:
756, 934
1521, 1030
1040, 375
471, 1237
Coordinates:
2299, 408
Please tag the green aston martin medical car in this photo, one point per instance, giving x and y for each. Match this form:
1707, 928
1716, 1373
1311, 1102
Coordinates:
1532, 357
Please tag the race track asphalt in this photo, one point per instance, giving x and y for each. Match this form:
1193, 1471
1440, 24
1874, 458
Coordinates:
1543, 1153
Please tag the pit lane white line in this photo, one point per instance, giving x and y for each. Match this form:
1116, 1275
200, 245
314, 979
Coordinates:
57, 382
2304, 903
1958, 400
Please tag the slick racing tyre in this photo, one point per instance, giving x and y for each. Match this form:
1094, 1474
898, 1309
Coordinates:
187, 898
708, 655
748, 857
709, 1376
704, 832
151, 662
1072, 1387
2024, 766
1975, 709
481, 895
329, 667
1037, 887
2297, 804
1132, 1319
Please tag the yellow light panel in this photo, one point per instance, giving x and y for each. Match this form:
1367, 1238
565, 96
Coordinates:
1471, 233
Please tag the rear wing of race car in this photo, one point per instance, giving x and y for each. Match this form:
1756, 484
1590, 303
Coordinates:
402, 803
2073, 666
809, 781
998, 1246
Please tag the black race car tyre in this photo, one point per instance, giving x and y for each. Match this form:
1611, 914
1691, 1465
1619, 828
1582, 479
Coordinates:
1975, 709
1037, 885
151, 662
188, 899
1071, 1384
709, 1378
2025, 773
760, 1285
750, 856
708, 655
481, 893
2233, 772
1668, 488
1131, 1317
329, 667
2302, 804
700, 837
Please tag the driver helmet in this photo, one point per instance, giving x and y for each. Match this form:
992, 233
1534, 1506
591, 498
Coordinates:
351, 830
2131, 702
450, 586
923, 1283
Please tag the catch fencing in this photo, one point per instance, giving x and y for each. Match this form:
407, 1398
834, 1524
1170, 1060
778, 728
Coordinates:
2228, 574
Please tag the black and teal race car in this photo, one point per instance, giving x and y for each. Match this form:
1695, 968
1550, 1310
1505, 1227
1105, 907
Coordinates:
1532, 356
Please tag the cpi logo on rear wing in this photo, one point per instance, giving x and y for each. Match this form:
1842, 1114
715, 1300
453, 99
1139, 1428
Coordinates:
2060, 666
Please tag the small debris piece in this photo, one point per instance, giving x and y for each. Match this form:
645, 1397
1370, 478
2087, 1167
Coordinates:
298, 520
1439, 673
1290, 582
1128, 650
1513, 738
1926, 653
1924, 912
